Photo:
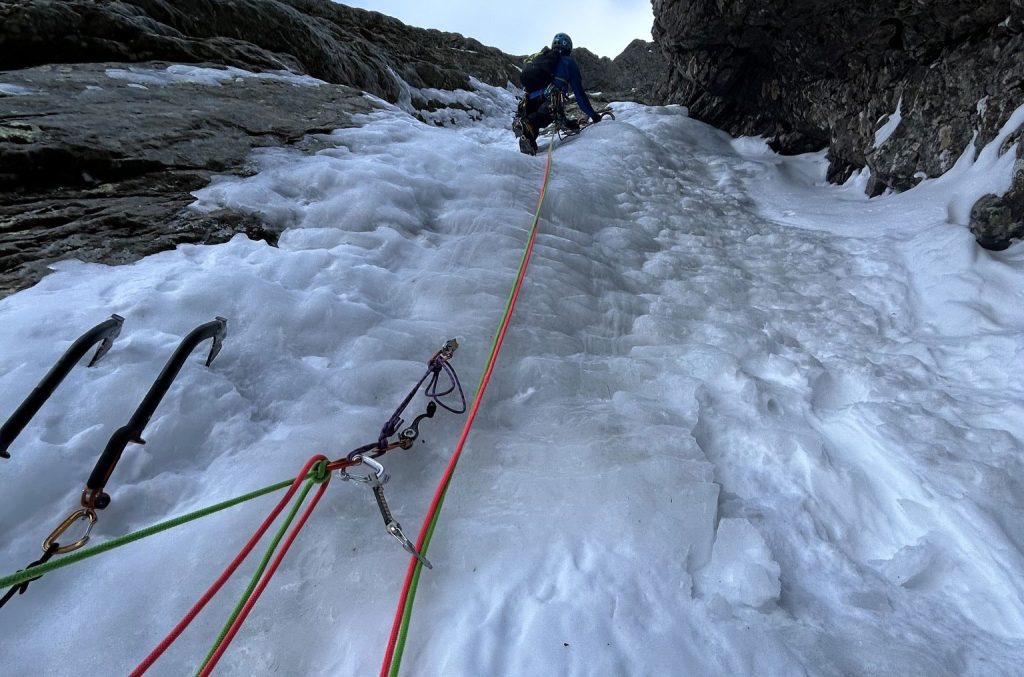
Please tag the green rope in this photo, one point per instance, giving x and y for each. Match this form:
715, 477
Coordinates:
71, 558
403, 631
407, 613
254, 581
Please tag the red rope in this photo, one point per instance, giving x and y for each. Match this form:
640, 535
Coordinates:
219, 583
251, 602
442, 486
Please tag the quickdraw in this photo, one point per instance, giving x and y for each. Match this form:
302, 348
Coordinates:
367, 454
376, 481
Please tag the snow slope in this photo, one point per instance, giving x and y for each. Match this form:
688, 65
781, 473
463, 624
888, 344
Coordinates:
744, 423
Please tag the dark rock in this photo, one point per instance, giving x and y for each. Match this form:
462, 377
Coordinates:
810, 74
332, 42
638, 74
996, 221
101, 169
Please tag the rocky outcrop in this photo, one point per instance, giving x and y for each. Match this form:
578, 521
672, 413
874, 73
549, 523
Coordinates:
638, 74
332, 42
97, 161
101, 168
329, 41
811, 74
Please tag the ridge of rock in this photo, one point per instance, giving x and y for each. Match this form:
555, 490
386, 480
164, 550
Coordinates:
810, 74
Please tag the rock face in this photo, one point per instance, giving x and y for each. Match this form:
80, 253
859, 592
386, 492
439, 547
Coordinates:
100, 167
638, 74
815, 73
329, 41
332, 42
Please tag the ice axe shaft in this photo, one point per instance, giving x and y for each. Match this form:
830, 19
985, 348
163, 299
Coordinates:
103, 333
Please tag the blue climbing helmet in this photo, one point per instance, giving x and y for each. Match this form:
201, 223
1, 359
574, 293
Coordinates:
562, 44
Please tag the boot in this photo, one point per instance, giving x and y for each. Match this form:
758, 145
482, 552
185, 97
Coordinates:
527, 137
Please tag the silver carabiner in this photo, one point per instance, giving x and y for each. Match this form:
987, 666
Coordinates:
378, 473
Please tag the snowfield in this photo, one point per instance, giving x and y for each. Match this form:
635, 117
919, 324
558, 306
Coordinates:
744, 422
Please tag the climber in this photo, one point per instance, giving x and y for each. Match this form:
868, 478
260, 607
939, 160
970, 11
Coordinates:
547, 77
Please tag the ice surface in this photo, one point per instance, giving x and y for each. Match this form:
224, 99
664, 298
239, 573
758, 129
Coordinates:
141, 75
741, 568
883, 133
744, 423
13, 90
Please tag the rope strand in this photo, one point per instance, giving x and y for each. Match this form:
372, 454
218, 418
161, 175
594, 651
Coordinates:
74, 557
289, 518
148, 661
211, 662
403, 614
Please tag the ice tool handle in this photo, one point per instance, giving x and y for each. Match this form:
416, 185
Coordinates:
93, 496
103, 333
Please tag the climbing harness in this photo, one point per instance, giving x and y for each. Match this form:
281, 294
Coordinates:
103, 333
556, 104
562, 126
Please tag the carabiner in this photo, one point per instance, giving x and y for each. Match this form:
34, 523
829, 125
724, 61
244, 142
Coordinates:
82, 513
378, 471
447, 351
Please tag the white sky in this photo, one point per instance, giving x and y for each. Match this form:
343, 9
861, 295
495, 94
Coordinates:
604, 27
743, 423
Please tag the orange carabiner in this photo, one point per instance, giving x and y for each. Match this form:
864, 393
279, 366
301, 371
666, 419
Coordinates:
82, 513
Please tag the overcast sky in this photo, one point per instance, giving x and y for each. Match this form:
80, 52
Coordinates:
604, 27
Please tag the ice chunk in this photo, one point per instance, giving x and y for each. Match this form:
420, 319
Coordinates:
742, 569
883, 133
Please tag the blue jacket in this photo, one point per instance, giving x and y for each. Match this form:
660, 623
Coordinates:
567, 74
